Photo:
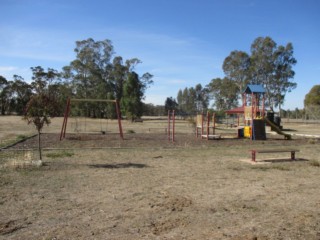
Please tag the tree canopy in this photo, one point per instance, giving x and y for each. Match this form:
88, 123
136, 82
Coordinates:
96, 72
267, 64
313, 97
272, 67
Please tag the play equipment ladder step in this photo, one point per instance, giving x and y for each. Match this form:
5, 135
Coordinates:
211, 136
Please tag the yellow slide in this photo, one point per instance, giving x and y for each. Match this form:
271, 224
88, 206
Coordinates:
277, 129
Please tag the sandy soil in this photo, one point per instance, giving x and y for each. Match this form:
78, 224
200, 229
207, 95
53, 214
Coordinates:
144, 187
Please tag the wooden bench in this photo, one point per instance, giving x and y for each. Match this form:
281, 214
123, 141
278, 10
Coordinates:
292, 151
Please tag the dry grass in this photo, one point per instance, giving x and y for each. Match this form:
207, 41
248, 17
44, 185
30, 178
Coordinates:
199, 190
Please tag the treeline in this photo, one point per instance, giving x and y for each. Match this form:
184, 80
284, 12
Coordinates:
94, 74
267, 64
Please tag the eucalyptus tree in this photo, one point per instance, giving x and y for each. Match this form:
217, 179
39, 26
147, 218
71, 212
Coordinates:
284, 61
237, 68
21, 92
170, 104
14, 95
202, 98
312, 98
262, 67
224, 92
312, 102
3, 84
95, 73
87, 74
91, 68
271, 66
133, 92
180, 101
192, 100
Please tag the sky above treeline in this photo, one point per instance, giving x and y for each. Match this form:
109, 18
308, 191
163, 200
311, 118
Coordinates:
180, 42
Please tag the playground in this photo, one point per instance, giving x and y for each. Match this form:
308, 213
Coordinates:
98, 186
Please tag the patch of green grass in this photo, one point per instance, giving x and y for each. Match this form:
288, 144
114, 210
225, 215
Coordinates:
130, 131
280, 167
13, 140
260, 167
312, 141
60, 154
21, 137
272, 166
315, 163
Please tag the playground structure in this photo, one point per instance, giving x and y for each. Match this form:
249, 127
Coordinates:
254, 109
254, 115
73, 100
206, 124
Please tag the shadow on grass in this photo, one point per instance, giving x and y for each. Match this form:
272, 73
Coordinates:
289, 130
283, 160
118, 165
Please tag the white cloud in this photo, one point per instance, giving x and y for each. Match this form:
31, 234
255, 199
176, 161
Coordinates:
9, 71
156, 99
35, 44
5, 69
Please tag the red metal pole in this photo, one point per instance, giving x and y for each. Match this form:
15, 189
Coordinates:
244, 105
263, 100
68, 113
65, 119
202, 118
197, 126
173, 124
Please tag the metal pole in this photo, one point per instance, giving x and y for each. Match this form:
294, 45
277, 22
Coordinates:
214, 123
208, 123
169, 125
65, 119
173, 124
119, 119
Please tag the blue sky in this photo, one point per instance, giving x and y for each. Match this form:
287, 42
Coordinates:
181, 42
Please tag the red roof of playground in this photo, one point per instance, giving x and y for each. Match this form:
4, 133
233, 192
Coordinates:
235, 110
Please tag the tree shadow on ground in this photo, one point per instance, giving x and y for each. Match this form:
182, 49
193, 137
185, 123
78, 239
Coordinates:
118, 165
289, 130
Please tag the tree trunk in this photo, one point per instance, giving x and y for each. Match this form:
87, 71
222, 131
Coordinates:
39, 145
279, 110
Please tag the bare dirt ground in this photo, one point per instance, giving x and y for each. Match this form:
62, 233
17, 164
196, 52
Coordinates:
96, 186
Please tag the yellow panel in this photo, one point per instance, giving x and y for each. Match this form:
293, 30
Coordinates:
247, 131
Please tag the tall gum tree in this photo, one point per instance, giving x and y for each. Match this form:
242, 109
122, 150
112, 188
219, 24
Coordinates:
272, 67
236, 68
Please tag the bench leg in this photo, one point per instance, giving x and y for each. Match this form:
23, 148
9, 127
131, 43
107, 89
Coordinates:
253, 155
293, 157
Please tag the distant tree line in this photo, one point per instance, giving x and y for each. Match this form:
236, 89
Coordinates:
267, 64
94, 74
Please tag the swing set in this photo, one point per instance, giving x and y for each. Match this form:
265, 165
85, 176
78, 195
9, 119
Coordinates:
77, 128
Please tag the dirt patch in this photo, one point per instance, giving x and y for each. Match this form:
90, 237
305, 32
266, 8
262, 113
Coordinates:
146, 140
